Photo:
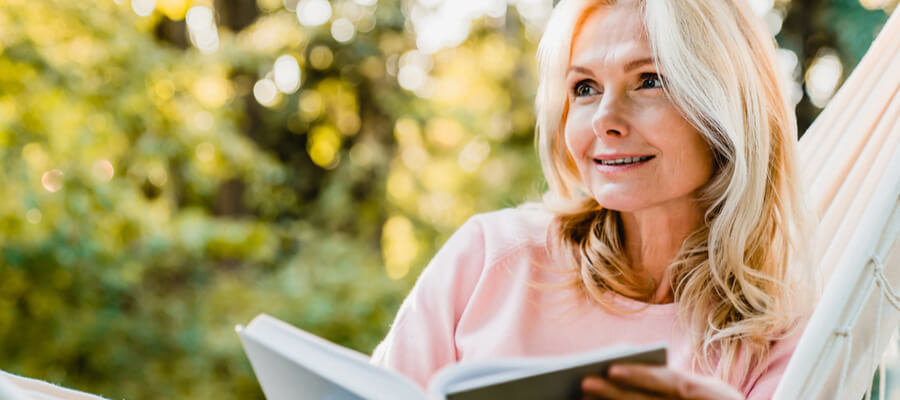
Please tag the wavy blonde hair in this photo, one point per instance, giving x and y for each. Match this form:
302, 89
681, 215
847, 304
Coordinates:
741, 280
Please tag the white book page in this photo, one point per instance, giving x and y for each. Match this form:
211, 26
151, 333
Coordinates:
9, 391
292, 364
13, 387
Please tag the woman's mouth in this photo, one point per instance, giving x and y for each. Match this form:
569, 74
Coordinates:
623, 161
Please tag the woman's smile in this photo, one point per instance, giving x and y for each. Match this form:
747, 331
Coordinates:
616, 163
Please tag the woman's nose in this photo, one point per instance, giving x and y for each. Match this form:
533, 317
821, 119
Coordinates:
610, 117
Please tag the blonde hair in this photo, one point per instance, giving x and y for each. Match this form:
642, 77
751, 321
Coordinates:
740, 280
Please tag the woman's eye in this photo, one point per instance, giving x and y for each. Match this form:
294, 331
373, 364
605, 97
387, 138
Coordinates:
651, 81
582, 89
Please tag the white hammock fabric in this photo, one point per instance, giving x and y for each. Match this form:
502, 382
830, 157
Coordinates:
851, 159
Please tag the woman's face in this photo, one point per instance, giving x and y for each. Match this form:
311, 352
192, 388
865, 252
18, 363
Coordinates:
633, 150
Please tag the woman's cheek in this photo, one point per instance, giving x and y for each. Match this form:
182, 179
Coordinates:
578, 133
657, 114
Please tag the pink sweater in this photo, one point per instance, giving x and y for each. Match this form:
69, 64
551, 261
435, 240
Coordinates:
475, 300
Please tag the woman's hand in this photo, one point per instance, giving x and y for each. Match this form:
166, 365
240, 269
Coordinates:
643, 382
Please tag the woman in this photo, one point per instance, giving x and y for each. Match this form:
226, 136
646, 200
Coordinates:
672, 213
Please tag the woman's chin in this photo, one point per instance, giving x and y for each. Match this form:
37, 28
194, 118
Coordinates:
621, 205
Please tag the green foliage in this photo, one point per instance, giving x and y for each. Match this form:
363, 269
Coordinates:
151, 203
124, 270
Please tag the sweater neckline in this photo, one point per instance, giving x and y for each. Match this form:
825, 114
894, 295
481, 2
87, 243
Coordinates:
643, 307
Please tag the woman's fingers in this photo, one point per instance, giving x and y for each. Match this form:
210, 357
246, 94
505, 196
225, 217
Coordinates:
672, 383
593, 387
643, 382
657, 379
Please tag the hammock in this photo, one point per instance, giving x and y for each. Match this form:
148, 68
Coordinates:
850, 157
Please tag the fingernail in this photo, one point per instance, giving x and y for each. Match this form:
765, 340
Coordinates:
592, 383
617, 370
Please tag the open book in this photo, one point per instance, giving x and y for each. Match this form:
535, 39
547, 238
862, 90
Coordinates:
291, 364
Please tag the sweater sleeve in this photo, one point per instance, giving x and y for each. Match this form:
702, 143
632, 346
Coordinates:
421, 339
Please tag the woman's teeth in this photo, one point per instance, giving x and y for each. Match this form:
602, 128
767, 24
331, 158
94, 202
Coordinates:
626, 160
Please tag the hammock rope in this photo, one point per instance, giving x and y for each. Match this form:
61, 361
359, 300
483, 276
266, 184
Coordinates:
886, 292
886, 289
845, 334
876, 362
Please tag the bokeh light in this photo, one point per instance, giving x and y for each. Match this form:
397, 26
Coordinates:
762, 7
199, 18
290, 5
202, 29
35, 155
823, 76
348, 123
411, 77
343, 30
310, 104
774, 20
436, 30
445, 133
103, 170
158, 176
320, 57
471, 156
143, 8
52, 180
790, 72
173, 9
212, 90
414, 157
875, 4
313, 12
34, 216
323, 145
407, 132
437, 207
205, 152
366, 23
265, 92
535, 14
287, 74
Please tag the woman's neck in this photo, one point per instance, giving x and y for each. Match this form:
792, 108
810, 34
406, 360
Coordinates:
653, 238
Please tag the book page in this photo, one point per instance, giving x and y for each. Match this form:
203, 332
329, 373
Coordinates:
534, 378
290, 363
9, 391
13, 387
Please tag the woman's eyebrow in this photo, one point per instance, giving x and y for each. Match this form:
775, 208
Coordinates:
637, 63
577, 68
628, 67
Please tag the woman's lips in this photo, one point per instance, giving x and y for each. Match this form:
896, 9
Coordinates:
621, 163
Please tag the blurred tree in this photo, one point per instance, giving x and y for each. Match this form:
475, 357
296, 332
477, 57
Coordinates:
144, 220
813, 28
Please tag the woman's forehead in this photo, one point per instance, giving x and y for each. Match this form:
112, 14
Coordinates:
610, 36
